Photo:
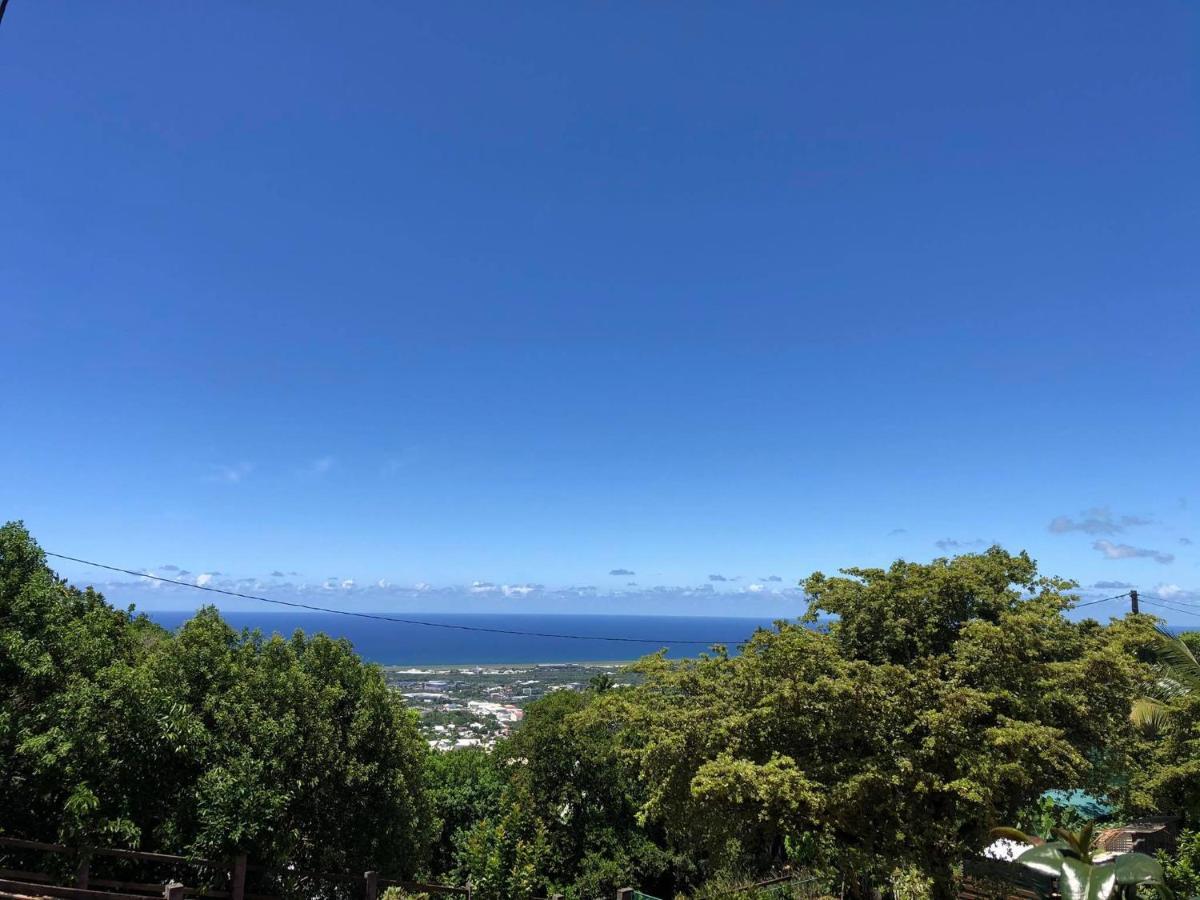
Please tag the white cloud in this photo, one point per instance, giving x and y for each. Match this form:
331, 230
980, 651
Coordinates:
1099, 520
1124, 551
1176, 593
203, 579
520, 590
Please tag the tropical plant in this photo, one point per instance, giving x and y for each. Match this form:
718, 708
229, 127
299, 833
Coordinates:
1182, 867
1176, 673
1070, 858
601, 682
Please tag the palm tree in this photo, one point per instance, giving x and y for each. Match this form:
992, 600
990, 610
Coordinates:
1176, 673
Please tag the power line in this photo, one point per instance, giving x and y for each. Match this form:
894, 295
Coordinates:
1186, 612
1102, 600
1173, 609
1183, 600
383, 618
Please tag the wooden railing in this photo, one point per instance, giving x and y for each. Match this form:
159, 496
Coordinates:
44, 883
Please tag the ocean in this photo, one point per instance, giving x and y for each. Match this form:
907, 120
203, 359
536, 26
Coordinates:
392, 643
395, 644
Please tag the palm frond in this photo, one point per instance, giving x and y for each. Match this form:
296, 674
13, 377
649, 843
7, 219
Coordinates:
1176, 661
1150, 715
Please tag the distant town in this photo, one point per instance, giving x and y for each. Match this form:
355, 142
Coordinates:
475, 706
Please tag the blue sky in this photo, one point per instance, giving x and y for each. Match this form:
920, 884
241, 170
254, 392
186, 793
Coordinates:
528, 294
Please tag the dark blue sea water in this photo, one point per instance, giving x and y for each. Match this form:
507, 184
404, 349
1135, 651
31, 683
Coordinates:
391, 643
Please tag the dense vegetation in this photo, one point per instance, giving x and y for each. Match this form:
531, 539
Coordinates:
943, 699
205, 742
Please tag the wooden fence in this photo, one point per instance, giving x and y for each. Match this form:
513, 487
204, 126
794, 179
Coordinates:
20, 881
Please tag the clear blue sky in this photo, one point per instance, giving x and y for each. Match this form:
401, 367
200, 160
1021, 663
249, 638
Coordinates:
524, 294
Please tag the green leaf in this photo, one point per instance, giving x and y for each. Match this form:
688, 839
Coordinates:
1081, 881
1174, 655
1150, 715
1086, 835
1046, 859
1137, 868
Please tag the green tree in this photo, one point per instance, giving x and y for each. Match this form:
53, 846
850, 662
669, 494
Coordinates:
1167, 776
943, 698
601, 682
1182, 867
464, 789
299, 752
78, 716
568, 795
208, 741
505, 857
1176, 673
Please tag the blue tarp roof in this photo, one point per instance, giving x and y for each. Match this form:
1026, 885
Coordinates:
1085, 804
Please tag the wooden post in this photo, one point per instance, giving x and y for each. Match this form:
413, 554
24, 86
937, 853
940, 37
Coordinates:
556, 897
81, 871
237, 878
173, 890
372, 880
625, 894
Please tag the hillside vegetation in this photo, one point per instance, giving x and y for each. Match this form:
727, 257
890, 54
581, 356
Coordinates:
945, 699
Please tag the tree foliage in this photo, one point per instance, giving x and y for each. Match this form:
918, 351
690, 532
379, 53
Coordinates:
206, 742
568, 801
1176, 673
941, 699
464, 788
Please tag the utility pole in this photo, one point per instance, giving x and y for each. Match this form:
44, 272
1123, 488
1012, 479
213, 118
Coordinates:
1133, 601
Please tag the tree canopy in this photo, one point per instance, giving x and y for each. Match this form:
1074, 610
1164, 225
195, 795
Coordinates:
205, 742
942, 699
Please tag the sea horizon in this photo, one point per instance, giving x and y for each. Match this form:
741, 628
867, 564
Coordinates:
452, 639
